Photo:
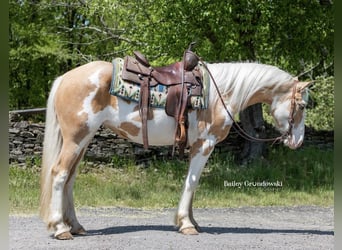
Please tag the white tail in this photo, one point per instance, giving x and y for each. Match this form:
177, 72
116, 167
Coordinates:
51, 148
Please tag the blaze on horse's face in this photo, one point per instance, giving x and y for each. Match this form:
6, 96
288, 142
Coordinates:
286, 113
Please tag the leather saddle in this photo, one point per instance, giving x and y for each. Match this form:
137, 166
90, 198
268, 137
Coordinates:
182, 79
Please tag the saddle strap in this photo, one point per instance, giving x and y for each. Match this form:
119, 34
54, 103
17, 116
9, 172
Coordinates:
182, 135
181, 116
144, 109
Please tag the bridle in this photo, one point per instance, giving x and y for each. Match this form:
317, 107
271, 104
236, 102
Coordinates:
238, 128
292, 110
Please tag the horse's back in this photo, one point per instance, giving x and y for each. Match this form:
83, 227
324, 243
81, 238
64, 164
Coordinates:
83, 72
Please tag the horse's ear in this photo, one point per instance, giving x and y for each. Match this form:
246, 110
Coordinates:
303, 85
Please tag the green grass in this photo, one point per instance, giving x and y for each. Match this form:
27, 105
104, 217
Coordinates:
306, 176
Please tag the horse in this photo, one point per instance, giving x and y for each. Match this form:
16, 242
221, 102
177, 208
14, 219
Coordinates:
79, 103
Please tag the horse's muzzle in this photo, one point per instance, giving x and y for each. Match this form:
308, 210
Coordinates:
292, 142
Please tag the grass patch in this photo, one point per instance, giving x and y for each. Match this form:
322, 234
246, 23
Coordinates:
306, 178
23, 189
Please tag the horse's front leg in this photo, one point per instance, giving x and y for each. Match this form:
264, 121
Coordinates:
200, 153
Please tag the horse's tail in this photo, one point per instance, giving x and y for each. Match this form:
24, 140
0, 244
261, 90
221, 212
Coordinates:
51, 148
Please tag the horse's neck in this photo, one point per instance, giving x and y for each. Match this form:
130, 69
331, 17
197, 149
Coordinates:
244, 84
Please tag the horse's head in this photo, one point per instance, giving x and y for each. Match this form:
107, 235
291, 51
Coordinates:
288, 111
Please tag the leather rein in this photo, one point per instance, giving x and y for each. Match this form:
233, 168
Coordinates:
239, 129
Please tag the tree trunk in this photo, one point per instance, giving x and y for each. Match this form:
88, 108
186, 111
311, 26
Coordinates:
251, 118
252, 122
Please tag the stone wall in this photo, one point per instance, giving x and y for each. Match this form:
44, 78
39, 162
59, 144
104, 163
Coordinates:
26, 145
25, 141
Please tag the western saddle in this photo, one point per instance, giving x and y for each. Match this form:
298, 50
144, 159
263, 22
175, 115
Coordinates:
182, 79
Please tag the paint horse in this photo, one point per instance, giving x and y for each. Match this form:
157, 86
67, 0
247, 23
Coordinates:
79, 103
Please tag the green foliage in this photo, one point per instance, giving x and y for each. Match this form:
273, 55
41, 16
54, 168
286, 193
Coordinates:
320, 112
48, 38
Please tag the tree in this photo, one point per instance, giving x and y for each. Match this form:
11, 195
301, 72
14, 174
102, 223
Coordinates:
35, 54
48, 38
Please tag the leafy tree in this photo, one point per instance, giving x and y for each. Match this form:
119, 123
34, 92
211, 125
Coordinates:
48, 38
35, 55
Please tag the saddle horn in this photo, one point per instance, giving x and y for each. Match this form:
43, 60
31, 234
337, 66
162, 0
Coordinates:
190, 59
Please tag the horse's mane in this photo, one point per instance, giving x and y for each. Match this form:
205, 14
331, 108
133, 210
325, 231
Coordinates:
240, 80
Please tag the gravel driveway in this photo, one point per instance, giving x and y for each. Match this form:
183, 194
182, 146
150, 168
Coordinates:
222, 228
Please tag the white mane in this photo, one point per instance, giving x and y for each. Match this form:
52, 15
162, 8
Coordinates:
242, 80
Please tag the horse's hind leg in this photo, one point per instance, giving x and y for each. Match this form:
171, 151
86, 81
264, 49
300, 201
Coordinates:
69, 211
62, 213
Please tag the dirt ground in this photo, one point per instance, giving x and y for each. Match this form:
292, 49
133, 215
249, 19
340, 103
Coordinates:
292, 228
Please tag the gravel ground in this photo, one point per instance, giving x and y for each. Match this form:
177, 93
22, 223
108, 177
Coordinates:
292, 228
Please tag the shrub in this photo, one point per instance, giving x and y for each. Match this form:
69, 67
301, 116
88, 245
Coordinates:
320, 111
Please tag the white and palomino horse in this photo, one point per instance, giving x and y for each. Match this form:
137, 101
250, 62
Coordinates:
79, 103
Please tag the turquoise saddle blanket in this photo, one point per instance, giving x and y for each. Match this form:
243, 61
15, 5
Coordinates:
158, 94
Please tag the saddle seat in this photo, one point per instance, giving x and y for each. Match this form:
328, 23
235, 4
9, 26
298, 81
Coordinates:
166, 75
182, 79
169, 74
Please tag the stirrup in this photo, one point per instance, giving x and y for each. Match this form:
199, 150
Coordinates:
182, 134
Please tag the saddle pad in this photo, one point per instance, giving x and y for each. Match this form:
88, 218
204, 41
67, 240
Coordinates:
158, 94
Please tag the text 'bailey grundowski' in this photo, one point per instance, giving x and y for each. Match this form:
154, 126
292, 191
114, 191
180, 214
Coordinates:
239, 184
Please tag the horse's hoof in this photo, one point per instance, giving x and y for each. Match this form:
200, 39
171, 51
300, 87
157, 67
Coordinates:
189, 231
64, 236
80, 231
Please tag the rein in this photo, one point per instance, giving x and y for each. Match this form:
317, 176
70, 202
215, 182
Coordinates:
238, 128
